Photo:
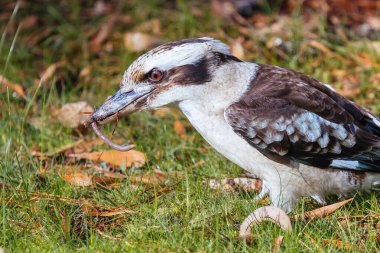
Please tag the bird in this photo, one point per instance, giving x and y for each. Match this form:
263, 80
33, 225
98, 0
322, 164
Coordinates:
295, 133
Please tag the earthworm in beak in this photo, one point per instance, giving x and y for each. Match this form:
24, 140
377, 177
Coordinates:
108, 141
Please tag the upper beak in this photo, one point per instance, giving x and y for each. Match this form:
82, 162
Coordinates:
115, 105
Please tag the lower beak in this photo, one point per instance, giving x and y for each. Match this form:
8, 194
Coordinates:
115, 106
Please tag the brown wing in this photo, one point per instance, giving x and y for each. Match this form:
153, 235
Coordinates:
290, 115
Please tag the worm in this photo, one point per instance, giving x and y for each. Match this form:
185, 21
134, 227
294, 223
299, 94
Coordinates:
108, 141
266, 213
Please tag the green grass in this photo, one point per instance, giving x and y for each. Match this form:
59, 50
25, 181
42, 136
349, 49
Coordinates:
188, 218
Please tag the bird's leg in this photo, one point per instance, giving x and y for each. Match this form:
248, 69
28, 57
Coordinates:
264, 191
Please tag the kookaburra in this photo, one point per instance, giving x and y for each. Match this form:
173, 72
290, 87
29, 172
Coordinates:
290, 130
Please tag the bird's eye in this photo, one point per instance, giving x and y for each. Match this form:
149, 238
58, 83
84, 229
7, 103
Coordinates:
155, 75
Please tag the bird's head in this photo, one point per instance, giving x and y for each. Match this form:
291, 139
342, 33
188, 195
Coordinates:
170, 73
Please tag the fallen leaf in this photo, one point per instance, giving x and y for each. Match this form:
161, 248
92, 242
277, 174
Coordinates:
57, 151
237, 49
375, 79
114, 157
365, 60
105, 181
153, 25
85, 73
102, 212
37, 37
277, 243
101, 36
117, 212
81, 176
154, 179
73, 115
38, 122
179, 128
49, 72
349, 83
107, 236
138, 42
374, 22
278, 27
375, 216
29, 21
197, 164
345, 246
100, 8
84, 146
163, 112
15, 87
321, 212
266, 213
318, 45
226, 10
235, 184
75, 176
108, 173
369, 44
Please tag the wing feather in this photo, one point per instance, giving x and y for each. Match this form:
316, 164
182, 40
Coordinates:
288, 114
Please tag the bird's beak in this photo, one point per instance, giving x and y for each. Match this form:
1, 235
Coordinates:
122, 103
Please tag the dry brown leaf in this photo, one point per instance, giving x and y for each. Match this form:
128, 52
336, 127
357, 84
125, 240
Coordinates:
226, 10
153, 26
117, 212
75, 176
108, 173
73, 115
345, 246
154, 178
34, 38
179, 128
95, 211
197, 164
38, 122
278, 27
369, 44
101, 36
49, 72
277, 243
317, 45
375, 79
237, 49
15, 87
84, 146
29, 21
138, 42
114, 157
375, 216
235, 184
223, 9
80, 176
79, 146
350, 85
321, 212
163, 112
85, 73
365, 60
107, 236
105, 181
374, 22
266, 213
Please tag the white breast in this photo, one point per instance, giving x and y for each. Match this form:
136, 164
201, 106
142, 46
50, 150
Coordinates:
207, 116
215, 130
